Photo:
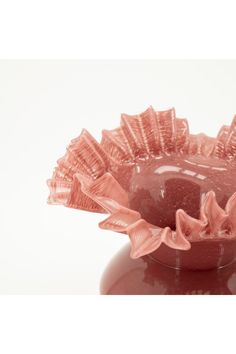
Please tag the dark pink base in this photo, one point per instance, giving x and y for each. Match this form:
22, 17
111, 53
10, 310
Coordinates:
145, 276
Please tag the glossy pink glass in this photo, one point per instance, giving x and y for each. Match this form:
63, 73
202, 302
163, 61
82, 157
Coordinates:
157, 188
145, 276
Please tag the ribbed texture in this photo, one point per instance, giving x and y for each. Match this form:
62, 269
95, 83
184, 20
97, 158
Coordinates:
83, 179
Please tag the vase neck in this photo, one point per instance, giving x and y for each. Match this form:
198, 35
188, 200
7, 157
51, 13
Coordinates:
203, 255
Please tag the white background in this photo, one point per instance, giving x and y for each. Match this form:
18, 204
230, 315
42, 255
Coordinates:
43, 105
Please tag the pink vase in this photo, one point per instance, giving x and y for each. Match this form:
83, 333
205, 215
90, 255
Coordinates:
171, 192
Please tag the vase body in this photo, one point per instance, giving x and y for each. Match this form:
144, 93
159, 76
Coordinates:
147, 276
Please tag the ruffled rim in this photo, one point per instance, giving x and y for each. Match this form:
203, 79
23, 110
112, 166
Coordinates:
83, 179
